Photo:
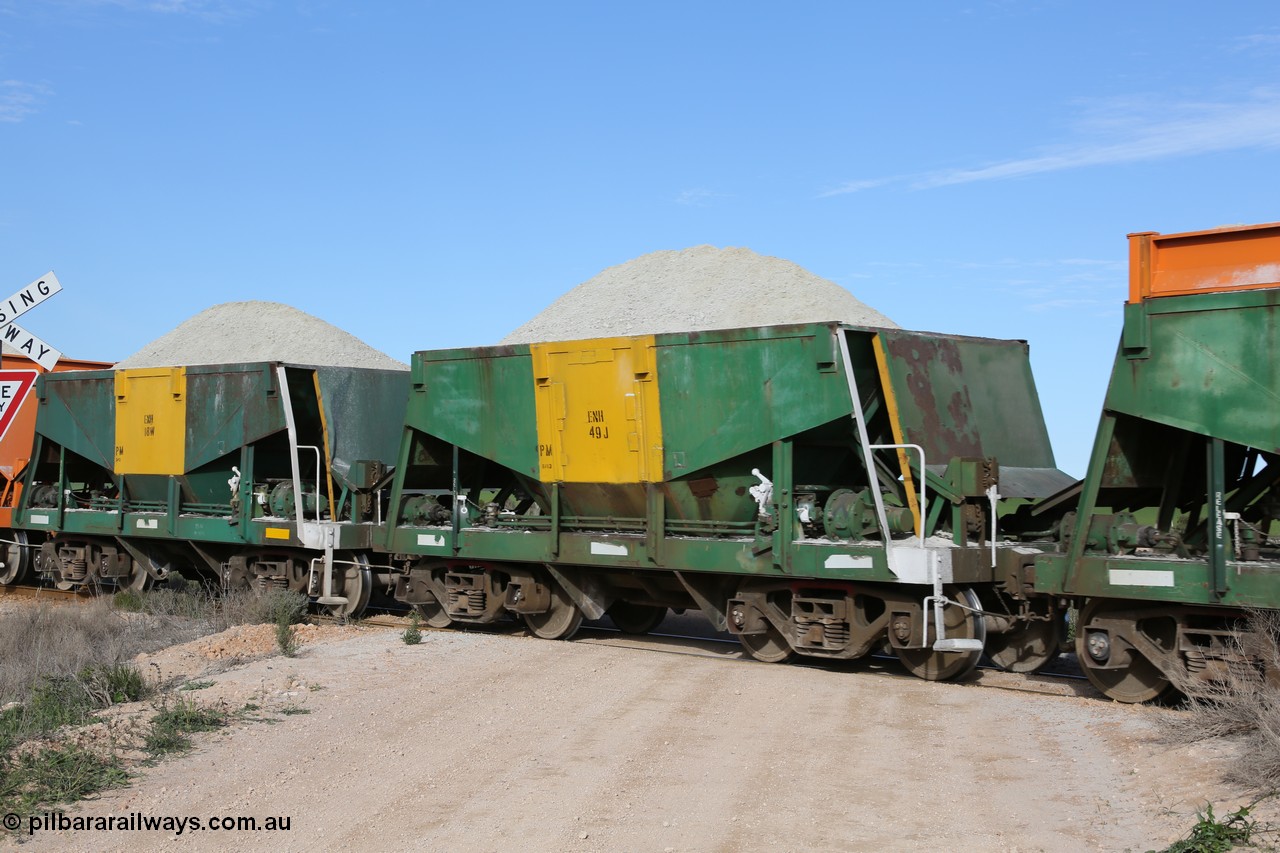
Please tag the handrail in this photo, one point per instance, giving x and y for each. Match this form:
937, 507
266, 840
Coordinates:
924, 507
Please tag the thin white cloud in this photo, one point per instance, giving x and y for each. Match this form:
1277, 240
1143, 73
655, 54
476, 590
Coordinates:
898, 264
1085, 262
1178, 131
209, 10
1124, 131
1060, 304
1257, 41
19, 99
1037, 284
199, 8
696, 197
856, 186
1019, 263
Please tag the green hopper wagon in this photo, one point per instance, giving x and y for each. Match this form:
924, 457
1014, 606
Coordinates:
816, 489
1172, 537
266, 474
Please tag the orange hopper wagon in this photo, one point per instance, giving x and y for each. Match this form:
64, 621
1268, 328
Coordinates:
17, 429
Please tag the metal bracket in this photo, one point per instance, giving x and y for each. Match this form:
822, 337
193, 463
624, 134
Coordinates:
326, 589
941, 642
714, 612
590, 599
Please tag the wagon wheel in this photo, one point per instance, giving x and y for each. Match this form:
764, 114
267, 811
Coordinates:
769, 646
352, 582
960, 624
560, 621
1032, 645
636, 618
142, 577
139, 580
432, 614
16, 567
1139, 680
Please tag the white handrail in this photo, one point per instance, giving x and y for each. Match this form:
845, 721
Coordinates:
292, 429
918, 449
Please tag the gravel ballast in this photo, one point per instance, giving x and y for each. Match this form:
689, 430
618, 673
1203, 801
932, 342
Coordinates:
694, 289
240, 332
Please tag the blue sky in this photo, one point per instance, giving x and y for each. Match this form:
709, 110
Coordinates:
432, 174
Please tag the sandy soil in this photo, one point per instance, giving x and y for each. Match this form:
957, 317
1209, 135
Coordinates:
498, 741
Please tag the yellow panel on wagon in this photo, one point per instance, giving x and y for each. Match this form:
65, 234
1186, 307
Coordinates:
597, 411
151, 420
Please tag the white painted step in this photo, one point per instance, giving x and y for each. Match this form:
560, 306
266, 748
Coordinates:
957, 645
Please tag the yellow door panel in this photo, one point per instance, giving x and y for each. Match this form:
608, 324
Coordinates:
151, 420
597, 409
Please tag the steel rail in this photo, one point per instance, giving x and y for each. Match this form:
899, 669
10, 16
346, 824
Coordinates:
46, 592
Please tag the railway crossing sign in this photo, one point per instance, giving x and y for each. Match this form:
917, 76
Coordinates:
14, 387
19, 338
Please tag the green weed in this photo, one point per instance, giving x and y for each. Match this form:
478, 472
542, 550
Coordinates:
114, 684
128, 600
46, 777
413, 634
1214, 835
285, 608
196, 685
175, 720
286, 639
60, 700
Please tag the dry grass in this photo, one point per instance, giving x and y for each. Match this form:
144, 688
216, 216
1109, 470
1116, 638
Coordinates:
64, 663
1245, 706
50, 642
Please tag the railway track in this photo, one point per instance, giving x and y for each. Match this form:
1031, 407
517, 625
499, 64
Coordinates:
1062, 684
1050, 683
45, 593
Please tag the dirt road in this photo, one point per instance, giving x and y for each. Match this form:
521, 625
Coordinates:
474, 741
